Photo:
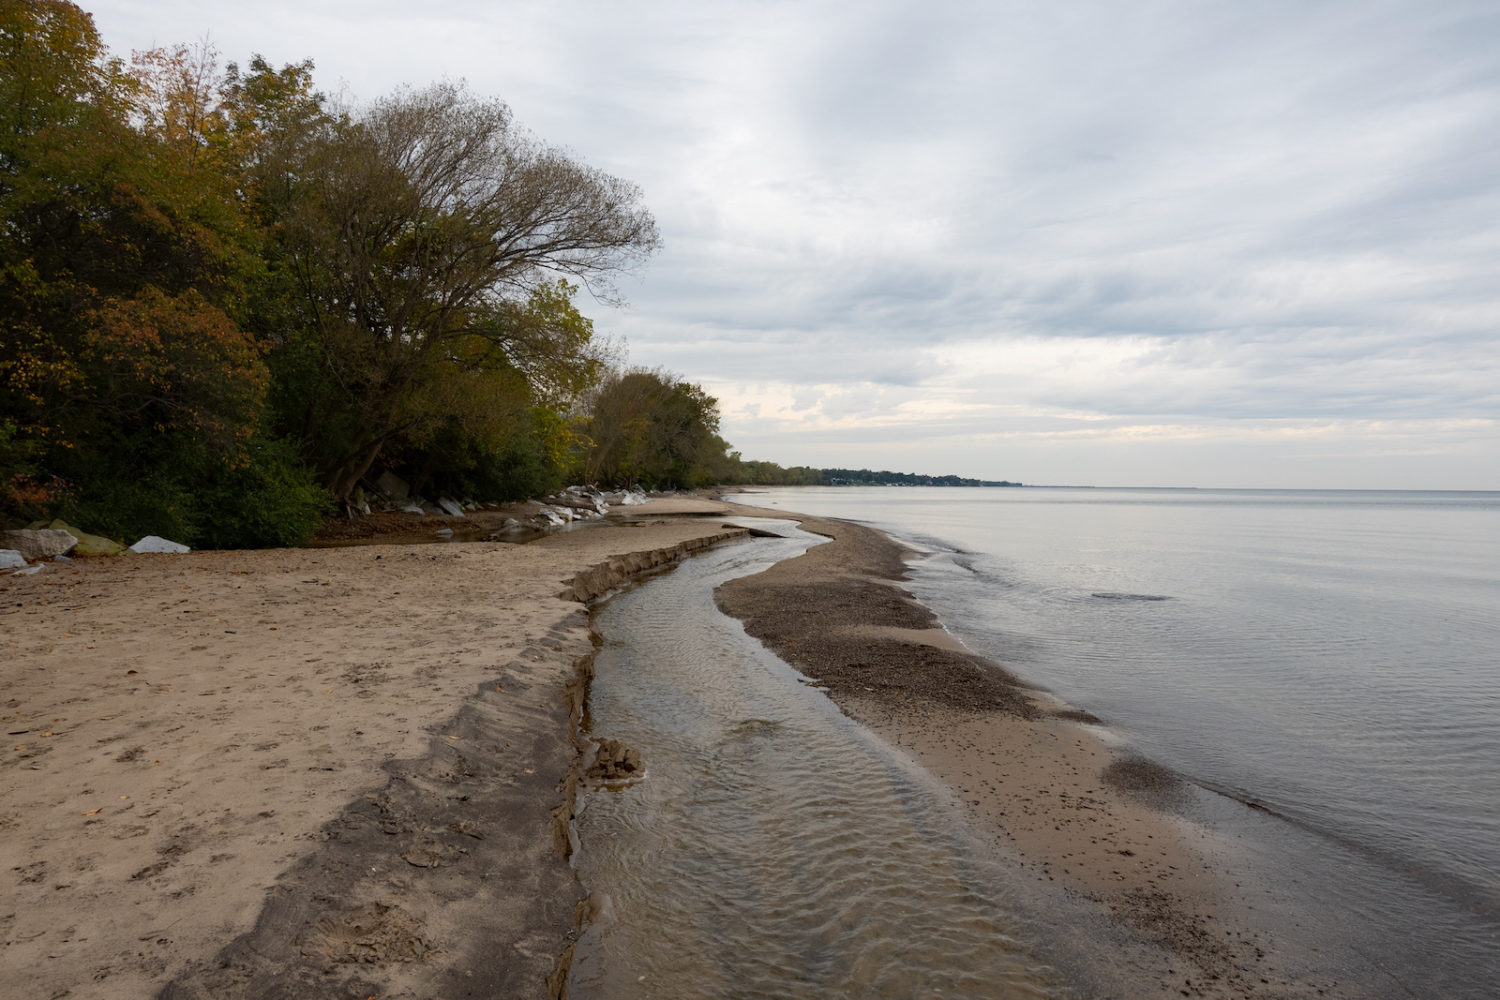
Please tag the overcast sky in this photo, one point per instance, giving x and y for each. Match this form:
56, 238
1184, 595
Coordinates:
1162, 242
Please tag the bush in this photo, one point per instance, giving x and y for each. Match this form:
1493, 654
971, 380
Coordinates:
177, 490
271, 501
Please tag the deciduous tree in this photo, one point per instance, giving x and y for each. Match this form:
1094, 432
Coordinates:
428, 231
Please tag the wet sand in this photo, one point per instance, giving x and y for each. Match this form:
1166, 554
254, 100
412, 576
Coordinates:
320, 772
1031, 773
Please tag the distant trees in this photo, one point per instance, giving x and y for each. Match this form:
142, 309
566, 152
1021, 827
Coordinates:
647, 427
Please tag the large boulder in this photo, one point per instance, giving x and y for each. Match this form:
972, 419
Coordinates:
11, 559
574, 501
89, 545
39, 543
451, 506
392, 485
155, 544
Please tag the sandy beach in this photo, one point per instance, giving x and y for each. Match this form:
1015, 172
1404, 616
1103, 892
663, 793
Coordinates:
316, 772
348, 772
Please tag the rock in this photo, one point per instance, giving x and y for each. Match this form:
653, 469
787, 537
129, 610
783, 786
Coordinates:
614, 761
11, 559
29, 570
444, 532
156, 545
451, 506
392, 485
576, 502
411, 508
89, 545
39, 543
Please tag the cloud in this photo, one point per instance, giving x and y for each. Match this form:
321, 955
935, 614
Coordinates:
1031, 225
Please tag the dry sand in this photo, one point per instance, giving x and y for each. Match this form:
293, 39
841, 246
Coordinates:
1030, 771
294, 773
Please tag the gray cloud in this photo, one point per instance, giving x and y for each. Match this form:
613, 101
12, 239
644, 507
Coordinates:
1183, 239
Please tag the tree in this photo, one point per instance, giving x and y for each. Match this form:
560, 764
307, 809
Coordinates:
129, 379
425, 235
649, 427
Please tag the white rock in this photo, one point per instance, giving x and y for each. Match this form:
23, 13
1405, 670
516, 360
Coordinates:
29, 570
575, 502
412, 508
451, 506
155, 544
40, 543
11, 559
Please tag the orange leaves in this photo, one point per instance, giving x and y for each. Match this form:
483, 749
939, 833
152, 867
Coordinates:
183, 357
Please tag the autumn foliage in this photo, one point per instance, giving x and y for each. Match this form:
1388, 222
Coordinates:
225, 301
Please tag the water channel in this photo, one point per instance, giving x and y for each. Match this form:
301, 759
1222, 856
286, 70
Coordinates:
773, 847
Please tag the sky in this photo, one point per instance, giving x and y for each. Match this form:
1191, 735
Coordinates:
1156, 243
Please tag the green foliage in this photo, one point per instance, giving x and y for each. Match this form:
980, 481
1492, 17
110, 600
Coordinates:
271, 500
649, 428
425, 234
221, 301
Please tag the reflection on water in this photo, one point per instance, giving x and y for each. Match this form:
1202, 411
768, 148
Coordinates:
773, 849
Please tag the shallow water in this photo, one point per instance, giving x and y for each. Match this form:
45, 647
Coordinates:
1332, 657
773, 848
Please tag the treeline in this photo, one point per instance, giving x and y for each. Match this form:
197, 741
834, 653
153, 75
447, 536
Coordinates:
864, 477
225, 298
770, 474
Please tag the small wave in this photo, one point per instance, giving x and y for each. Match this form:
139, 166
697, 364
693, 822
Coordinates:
1113, 596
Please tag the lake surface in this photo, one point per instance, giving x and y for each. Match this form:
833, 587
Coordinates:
1332, 658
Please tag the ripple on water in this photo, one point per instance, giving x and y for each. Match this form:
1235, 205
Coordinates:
776, 851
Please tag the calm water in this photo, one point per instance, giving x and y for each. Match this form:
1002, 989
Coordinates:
773, 848
1333, 657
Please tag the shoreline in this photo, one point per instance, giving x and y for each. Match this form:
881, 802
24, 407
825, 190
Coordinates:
1032, 775
246, 774
283, 773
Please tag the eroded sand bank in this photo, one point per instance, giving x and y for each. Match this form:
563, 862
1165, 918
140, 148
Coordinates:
322, 772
